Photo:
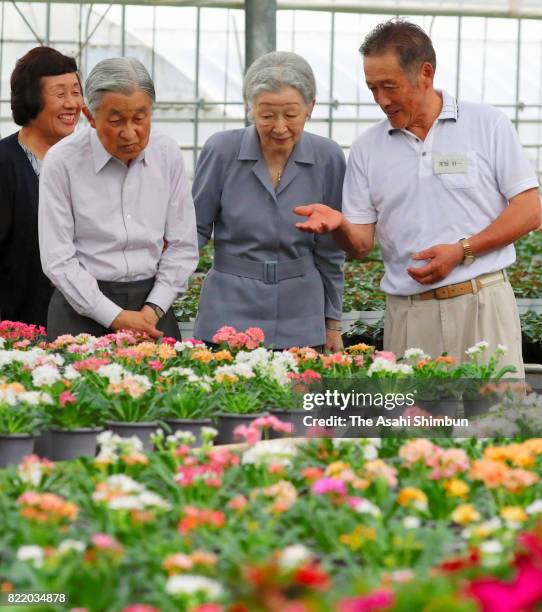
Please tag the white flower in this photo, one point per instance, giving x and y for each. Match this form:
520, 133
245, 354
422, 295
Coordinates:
187, 372
278, 451
124, 483
482, 345
68, 545
185, 437
45, 376
125, 502
35, 398
209, 432
31, 553
2, 342
152, 500
535, 507
364, 506
414, 354
380, 365
293, 556
190, 584
112, 371
70, 373
491, 547
501, 349
411, 522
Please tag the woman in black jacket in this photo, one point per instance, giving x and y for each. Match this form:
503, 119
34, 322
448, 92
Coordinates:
46, 100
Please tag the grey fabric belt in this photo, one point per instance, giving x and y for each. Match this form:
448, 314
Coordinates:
269, 272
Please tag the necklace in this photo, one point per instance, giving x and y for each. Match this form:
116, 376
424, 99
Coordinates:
279, 175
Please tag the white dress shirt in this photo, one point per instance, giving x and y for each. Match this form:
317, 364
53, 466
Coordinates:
102, 220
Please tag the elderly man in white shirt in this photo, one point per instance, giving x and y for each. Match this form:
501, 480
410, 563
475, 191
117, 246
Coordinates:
447, 188
117, 224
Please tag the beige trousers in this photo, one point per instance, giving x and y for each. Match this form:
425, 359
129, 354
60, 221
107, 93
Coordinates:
455, 324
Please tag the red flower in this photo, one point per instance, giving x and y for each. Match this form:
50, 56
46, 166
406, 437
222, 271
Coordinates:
141, 608
456, 564
311, 575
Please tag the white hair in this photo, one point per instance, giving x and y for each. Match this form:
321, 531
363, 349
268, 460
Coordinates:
118, 74
275, 70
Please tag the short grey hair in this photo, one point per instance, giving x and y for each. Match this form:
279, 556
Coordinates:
275, 70
118, 74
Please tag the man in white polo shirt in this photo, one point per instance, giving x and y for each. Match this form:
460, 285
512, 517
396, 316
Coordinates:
448, 189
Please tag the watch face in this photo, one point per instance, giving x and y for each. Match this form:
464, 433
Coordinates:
468, 260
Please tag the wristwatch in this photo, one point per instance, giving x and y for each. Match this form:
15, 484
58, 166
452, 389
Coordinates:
156, 309
468, 255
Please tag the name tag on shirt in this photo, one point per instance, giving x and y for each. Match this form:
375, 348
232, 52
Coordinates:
454, 163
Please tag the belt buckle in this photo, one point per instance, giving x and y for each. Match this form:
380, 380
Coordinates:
270, 272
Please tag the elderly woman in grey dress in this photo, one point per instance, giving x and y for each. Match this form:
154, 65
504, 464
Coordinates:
266, 273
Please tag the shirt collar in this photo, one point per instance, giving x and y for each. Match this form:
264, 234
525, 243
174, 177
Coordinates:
101, 156
251, 150
449, 111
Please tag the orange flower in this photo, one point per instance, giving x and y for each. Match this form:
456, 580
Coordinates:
165, 351
491, 473
223, 355
203, 355
147, 349
412, 497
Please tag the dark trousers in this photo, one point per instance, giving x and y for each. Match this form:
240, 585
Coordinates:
63, 319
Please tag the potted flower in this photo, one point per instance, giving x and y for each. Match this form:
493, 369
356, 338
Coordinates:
21, 417
134, 408
437, 384
75, 419
285, 402
482, 371
188, 407
237, 405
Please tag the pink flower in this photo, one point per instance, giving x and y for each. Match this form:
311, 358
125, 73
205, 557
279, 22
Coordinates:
92, 363
251, 434
272, 422
223, 334
256, 334
104, 541
169, 340
387, 355
522, 593
21, 344
207, 607
66, 397
156, 365
328, 485
140, 608
381, 599
239, 340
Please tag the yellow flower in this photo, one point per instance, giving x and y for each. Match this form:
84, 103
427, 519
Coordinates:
226, 378
336, 468
411, 496
356, 539
514, 515
456, 488
465, 514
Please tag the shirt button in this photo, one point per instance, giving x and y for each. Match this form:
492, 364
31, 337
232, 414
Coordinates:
424, 153
128, 216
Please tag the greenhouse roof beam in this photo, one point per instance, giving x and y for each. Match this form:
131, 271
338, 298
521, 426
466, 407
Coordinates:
512, 9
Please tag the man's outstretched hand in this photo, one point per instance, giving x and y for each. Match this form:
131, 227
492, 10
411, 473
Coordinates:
320, 218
